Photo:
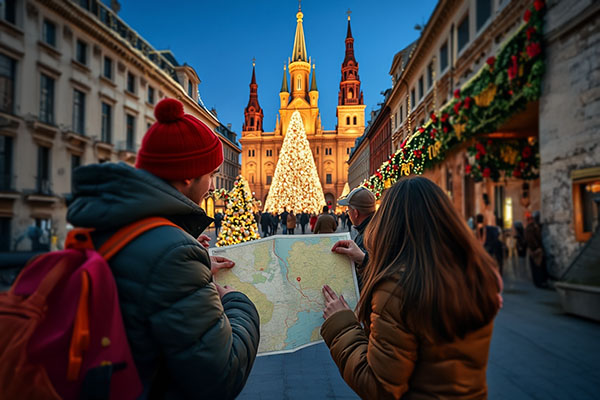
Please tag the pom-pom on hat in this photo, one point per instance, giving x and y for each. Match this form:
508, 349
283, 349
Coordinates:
178, 146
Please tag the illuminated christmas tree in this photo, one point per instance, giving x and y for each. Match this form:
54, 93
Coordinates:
238, 223
296, 185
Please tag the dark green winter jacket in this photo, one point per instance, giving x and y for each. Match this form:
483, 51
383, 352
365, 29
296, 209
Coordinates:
186, 342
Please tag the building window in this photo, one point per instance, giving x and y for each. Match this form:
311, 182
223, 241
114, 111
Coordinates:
354, 120
47, 99
328, 178
106, 129
299, 81
449, 182
5, 238
317, 151
7, 84
401, 114
130, 129
49, 33
43, 175
484, 12
585, 212
269, 178
412, 98
81, 52
190, 89
75, 161
269, 153
463, 33
108, 68
328, 151
421, 88
8, 11
130, 82
444, 57
347, 150
78, 111
150, 94
347, 120
429, 75
6, 156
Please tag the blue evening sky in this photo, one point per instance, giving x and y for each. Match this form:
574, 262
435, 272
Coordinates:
220, 38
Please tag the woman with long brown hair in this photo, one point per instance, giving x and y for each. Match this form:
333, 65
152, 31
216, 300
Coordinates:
423, 325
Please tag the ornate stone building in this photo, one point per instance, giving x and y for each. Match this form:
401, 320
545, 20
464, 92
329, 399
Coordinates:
78, 86
330, 148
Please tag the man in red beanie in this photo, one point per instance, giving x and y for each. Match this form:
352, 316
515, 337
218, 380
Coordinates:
190, 338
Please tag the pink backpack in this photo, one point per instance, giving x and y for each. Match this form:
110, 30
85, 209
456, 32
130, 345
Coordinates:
61, 329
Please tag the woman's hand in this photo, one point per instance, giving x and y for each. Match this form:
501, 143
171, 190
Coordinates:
350, 249
333, 303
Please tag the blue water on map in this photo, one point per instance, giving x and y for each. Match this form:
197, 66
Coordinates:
300, 332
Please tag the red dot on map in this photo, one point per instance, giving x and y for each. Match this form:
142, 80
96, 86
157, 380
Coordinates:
298, 279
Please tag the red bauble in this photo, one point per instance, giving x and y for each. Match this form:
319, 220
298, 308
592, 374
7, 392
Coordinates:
530, 32
467, 103
491, 61
527, 15
533, 50
457, 93
468, 169
538, 5
445, 117
486, 172
445, 129
517, 173
526, 152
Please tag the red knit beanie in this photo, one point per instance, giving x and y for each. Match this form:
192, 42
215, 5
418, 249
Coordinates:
178, 146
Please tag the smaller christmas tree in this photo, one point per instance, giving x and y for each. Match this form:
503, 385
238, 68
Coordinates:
238, 224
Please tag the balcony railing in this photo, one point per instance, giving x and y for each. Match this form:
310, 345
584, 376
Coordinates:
43, 186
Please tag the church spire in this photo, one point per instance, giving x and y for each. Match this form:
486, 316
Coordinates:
313, 83
253, 114
284, 84
299, 51
350, 93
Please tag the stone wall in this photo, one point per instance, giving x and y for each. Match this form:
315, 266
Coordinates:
569, 118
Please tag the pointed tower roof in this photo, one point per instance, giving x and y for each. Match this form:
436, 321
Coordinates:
349, 33
313, 83
284, 84
349, 44
299, 51
253, 82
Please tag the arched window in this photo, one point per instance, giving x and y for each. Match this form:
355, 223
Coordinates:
251, 121
347, 120
350, 93
354, 120
299, 82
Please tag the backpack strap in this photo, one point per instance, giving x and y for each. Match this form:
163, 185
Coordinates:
126, 234
81, 328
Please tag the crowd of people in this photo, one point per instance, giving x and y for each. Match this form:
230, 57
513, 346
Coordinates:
430, 287
326, 222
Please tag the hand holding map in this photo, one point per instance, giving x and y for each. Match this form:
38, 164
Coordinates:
284, 277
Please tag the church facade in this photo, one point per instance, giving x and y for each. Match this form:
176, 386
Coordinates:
330, 148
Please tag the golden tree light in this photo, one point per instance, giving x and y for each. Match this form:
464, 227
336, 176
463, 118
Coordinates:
238, 223
296, 185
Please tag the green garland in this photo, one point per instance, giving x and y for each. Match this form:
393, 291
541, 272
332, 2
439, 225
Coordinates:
503, 87
496, 159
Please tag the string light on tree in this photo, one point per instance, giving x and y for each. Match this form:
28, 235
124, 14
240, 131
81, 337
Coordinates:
296, 185
238, 223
